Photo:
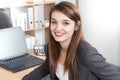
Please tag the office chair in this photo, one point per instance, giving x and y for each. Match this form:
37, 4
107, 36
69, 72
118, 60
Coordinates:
5, 20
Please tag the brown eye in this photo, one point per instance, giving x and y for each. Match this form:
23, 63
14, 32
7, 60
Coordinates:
65, 23
53, 22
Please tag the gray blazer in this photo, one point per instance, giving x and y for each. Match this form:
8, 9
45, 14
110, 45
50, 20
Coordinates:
91, 66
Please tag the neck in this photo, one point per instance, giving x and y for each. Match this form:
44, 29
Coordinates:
62, 56
64, 45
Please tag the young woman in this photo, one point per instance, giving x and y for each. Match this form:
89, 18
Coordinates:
70, 57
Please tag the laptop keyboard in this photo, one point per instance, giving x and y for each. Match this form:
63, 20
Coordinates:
20, 63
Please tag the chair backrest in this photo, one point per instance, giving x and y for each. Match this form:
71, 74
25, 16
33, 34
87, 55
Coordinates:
5, 20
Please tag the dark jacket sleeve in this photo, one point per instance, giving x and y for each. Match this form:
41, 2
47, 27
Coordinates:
97, 64
39, 72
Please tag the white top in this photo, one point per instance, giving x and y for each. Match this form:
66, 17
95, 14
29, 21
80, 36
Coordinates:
60, 72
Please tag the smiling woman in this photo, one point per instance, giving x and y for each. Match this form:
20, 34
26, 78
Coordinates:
69, 56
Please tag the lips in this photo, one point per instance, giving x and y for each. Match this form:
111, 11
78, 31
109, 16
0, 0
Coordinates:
58, 34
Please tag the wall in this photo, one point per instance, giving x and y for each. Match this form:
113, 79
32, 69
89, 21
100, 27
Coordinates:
101, 26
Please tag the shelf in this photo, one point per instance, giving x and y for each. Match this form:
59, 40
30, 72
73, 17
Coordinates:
48, 2
30, 32
26, 5
42, 28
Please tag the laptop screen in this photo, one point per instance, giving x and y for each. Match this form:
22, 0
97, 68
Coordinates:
12, 42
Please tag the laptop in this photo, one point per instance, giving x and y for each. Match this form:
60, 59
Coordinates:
14, 54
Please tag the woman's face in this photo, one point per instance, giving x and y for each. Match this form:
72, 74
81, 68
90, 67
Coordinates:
62, 27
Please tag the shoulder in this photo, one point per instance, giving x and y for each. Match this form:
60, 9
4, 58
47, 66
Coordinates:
85, 49
85, 46
87, 53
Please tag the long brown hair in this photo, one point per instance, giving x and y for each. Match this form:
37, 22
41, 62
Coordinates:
72, 12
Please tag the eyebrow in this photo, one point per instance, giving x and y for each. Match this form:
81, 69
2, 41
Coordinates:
53, 19
62, 20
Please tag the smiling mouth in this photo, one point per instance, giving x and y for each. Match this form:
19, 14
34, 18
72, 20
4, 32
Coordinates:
58, 34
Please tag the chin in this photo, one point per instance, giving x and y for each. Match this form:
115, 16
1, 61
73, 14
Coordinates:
58, 40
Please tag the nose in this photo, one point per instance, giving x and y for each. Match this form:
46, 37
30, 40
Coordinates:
58, 26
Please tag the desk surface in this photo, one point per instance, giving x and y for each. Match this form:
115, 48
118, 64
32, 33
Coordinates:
7, 75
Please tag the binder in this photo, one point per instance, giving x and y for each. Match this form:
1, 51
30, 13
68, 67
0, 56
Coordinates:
39, 15
30, 18
36, 17
29, 41
20, 19
23, 21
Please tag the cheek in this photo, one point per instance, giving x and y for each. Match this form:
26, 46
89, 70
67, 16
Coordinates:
70, 29
52, 28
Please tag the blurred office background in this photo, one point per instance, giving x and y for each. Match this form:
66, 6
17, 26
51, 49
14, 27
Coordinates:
101, 26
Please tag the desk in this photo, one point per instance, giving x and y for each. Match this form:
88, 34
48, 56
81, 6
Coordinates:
7, 75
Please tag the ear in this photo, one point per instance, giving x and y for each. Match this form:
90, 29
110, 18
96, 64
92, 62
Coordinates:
77, 25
